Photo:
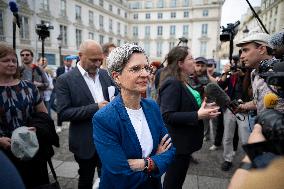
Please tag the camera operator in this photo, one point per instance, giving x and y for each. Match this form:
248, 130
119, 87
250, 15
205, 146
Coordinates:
271, 177
265, 148
233, 79
255, 49
277, 43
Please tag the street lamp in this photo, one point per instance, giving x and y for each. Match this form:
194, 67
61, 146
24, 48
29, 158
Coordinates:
246, 30
59, 39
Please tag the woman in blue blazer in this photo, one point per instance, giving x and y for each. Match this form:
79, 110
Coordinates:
129, 133
183, 111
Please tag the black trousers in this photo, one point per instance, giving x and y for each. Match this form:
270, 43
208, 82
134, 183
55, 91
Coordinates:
86, 171
176, 173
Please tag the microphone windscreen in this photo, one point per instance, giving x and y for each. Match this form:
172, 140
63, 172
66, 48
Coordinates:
217, 94
13, 6
278, 67
270, 100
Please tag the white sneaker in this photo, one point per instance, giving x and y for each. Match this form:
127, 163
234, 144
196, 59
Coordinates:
96, 183
213, 148
58, 129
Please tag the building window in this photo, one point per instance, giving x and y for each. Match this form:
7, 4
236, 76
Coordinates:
185, 3
118, 11
77, 12
171, 45
91, 1
205, 12
125, 15
173, 3
159, 49
110, 39
91, 35
204, 29
110, 7
125, 30
118, 42
45, 5
63, 32
148, 16
101, 21
101, 39
185, 30
185, 14
147, 31
91, 17
135, 16
135, 5
173, 14
78, 38
160, 30
147, 48
1, 25
160, 15
118, 28
172, 30
203, 48
110, 25
135, 31
160, 4
276, 10
63, 7
148, 4
24, 30
101, 3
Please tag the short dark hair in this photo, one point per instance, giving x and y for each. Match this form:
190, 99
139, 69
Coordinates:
106, 47
29, 50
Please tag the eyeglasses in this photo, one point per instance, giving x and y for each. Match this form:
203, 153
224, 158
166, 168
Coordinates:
210, 65
139, 68
25, 54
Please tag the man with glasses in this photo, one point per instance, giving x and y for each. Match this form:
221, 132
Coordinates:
80, 93
31, 72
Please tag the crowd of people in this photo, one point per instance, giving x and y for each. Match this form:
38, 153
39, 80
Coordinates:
160, 113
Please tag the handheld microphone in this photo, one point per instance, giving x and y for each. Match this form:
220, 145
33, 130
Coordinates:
270, 100
216, 94
14, 9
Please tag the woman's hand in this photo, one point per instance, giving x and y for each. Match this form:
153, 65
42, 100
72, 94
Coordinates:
5, 142
136, 164
164, 145
207, 112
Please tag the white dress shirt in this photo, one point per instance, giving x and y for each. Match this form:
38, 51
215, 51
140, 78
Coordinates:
94, 84
141, 127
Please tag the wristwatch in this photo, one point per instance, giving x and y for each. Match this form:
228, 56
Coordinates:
146, 164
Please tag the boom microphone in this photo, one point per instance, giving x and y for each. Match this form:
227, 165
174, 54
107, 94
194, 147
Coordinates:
14, 9
217, 94
270, 100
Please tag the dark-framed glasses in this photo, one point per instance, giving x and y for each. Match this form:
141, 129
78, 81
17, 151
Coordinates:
23, 54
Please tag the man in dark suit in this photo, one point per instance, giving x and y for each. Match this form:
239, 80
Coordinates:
81, 93
60, 70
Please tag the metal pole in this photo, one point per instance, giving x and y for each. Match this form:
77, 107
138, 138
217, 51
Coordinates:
60, 57
14, 35
42, 48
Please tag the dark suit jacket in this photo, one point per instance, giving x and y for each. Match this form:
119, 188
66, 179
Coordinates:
116, 141
76, 104
179, 109
61, 70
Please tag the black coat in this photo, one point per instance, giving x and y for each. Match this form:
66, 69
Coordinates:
46, 134
179, 110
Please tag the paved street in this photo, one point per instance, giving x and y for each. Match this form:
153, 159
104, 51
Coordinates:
205, 175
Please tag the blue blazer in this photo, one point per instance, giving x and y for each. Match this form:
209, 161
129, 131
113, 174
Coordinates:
116, 141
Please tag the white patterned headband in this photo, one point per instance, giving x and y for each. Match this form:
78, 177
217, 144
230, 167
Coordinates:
119, 56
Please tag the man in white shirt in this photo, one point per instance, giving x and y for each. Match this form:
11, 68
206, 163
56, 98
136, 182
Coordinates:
80, 93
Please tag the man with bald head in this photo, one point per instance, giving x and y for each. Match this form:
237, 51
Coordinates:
80, 93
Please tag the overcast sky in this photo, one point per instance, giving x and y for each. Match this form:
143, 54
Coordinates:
233, 10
